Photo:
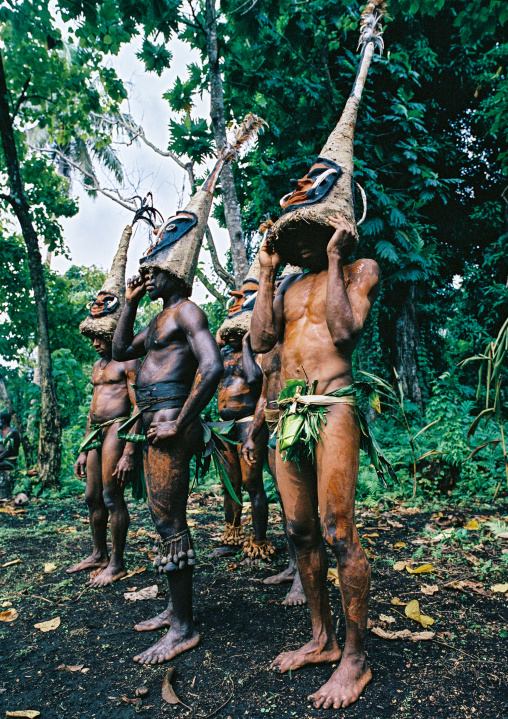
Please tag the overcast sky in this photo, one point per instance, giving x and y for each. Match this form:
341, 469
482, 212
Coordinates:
93, 234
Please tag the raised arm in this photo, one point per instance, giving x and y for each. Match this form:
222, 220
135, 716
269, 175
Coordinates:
251, 370
347, 308
267, 314
126, 346
192, 320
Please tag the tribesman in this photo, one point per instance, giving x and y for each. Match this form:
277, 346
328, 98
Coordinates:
239, 391
107, 462
266, 416
317, 319
177, 379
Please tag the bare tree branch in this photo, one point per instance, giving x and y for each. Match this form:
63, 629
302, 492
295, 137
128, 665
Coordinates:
112, 193
22, 97
219, 269
211, 289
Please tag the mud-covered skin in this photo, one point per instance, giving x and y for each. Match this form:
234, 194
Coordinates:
108, 468
178, 347
317, 318
271, 365
238, 394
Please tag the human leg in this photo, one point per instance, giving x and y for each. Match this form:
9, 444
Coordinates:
257, 547
113, 495
98, 515
337, 459
233, 536
167, 477
298, 488
296, 595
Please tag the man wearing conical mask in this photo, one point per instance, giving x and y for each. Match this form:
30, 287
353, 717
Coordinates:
302, 232
239, 391
266, 416
317, 318
107, 462
177, 379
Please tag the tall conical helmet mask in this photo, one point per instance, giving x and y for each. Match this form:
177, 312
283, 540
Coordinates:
107, 306
237, 323
327, 188
179, 239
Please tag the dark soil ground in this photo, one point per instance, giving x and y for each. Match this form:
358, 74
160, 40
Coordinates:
461, 672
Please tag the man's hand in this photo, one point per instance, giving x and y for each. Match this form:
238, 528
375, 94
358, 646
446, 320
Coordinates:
268, 257
160, 431
249, 451
135, 289
343, 239
80, 466
124, 470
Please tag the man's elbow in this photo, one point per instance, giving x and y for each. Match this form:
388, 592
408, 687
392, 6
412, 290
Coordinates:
119, 353
263, 343
344, 337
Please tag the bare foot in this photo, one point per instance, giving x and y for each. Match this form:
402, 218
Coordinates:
168, 647
345, 685
107, 576
94, 561
311, 653
222, 552
296, 595
161, 621
286, 576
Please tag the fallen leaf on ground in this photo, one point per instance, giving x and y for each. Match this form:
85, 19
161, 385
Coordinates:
373, 534
423, 569
397, 602
48, 626
69, 668
137, 702
465, 584
403, 634
9, 615
49, 567
141, 691
132, 572
399, 545
231, 566
24, 714
500, 588
9, 564
409, 510
399, 566
472, 525
6, 604
429, 589
168, 693
412, 611
502, 535
333, 576
146, 593
386, 618
393, 523
472, 559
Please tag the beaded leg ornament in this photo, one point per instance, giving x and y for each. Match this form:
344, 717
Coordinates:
174, 552
233, 536
258, 550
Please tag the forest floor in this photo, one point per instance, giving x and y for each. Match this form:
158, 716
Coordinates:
84, 667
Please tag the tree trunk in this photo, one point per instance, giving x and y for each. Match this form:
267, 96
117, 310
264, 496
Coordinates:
25, 442
406, 338
231, 204
49, 451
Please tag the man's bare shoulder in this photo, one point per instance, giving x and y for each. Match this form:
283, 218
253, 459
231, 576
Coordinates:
363, 272
131, 366
190, 317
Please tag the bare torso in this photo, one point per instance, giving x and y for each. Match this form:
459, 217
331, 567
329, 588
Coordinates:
236, 398
308, 350
110, 398
168, 353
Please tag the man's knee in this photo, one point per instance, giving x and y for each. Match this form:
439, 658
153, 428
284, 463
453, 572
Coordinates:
93, 498
305, 535
339, 535
112, 497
